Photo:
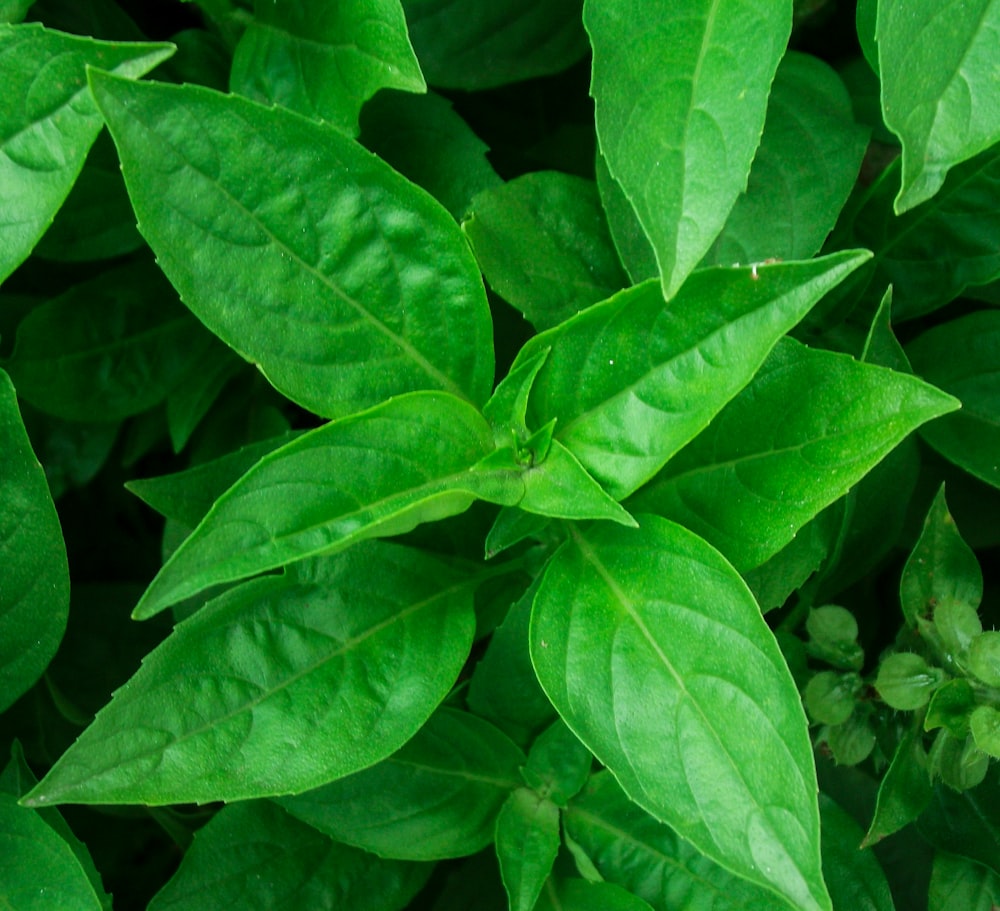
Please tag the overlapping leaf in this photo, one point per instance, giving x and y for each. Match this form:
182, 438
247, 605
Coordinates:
34, 574
49, 123
633, 379
774, 458
655, 654
951, 112
325, 60
680, 91
527, 841
280, 685
374, 474
437, 797
300, 250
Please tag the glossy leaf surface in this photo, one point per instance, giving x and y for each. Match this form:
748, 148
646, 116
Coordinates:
952, 112
254, 855
773, 459
399, 464
325, 60
633, 379
49, 124
34, 574
542, 242
962, 356
279, 686
680, 92
339, 265
655, 654
437, 797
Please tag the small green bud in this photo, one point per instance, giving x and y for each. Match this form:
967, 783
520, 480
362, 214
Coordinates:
958, 762
829, 696
984, 657
984, 723
905, 681
852, 741
950, 707
833, 637
957, 625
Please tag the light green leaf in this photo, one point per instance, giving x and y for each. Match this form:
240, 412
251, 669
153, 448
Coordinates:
803, 172
254, 855
280, 685
527, 841
856, 881
407, 461
49, 123
950, 113
633, 849
962, 356
655, 654
325, 60
542, 242
774, 458
299, 249
423, 138
633, 379
558, 765
680, 91
436, 797
960, 884
467, 44
108, 348
34, 574
562, 894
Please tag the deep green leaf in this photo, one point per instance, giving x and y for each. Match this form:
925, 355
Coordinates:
34, 574
339, 265
966, 823
423, 138
527, 841
655, 654
49, 123
962, 356
408, 461
855, 879
631, 848
950, 112
254, 855
806, 166
325, 60
437, 797
634, 248
633, 379
280, 685
542, 242
194, 396
558, 765
466, 44
108, 348
579, 895
774, 580
959, 884
774, 458
681, 92
905, 789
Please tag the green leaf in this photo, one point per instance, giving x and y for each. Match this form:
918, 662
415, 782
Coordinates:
254, 855
856, 881
280, 685
833, 637
905, 789
436, 797
950, 113
38, 868
108, 348
905, 681
14, 10
629, 847
50, 123
950, 707
579, 895
34, 574
774, 581
959, 884
962, 356
338, 263
626, 619
774, 458
984, 657
558, 765
966, 823
194, 396
325, 60
466, 44
941, 569
984, 724
680, 92
633, 379
424, 139
527, 841
634, 248
829, 696
542, 242
807, 164
408, 461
